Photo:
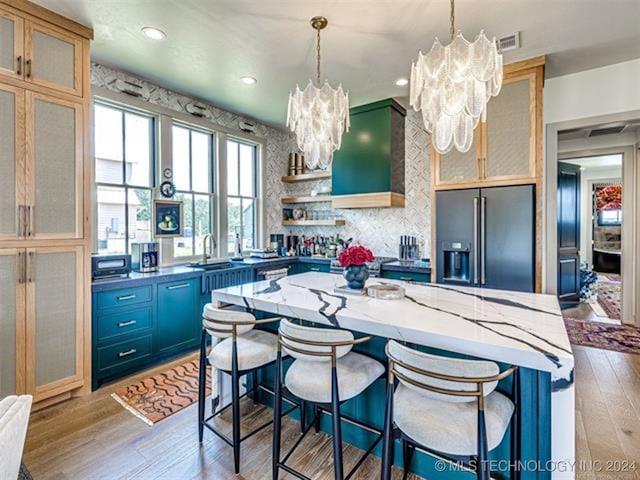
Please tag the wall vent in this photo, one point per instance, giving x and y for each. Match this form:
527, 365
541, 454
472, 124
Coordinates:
596, 132
509, 42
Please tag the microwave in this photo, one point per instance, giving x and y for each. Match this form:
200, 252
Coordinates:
110, 266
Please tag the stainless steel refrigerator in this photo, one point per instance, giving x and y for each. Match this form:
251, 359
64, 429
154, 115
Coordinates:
486, 237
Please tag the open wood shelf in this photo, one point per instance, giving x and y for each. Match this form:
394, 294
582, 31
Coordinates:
305, 177
314, 223
308, 199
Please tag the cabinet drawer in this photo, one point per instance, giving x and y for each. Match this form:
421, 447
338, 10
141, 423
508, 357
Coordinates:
129, 296
124, 353
124, 322
407, 276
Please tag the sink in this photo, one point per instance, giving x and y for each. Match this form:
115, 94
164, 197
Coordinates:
214, 264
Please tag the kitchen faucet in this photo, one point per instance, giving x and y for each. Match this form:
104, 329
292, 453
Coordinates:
212, 241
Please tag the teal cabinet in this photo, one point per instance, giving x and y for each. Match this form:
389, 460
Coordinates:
407, 276
368, 170
313, 267
178, 316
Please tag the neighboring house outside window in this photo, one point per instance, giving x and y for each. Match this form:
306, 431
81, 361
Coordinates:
193, 166
241, 194
124, 151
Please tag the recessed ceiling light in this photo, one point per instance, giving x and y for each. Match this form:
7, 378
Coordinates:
153, 33
247, 80
401, 82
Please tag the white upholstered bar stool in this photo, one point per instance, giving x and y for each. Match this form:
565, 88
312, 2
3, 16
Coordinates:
326, 373
14, 420
448, 407
240, 350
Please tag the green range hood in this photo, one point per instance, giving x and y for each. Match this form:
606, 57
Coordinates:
368, 170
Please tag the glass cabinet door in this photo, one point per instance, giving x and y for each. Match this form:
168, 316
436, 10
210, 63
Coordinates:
54, 159
509, 150
11, 44
54, 319
13, 212
12, 317
458, 167
54, 59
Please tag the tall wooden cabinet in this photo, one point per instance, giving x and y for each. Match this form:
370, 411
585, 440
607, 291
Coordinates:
45, 178
507, 148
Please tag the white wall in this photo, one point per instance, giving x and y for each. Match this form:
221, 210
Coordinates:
600, 91
592, 97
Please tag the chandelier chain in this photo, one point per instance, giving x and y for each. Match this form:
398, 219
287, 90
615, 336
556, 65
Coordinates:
452, 19
318, 56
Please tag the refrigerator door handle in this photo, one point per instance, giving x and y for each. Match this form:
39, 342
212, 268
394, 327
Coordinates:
483, 238
475, 240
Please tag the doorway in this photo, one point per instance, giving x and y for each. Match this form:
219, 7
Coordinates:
599, 229
604, 157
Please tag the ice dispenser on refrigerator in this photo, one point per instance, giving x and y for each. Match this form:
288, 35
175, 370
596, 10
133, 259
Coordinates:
456, 262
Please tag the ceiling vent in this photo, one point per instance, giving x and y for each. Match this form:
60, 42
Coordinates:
197, 110
596, 132
131, 88
509, 42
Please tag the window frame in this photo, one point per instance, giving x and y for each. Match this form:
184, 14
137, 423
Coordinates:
165, 117
212, 193
153, 160
256, 189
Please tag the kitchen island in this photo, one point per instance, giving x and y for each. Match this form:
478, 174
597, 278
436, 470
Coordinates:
517, 328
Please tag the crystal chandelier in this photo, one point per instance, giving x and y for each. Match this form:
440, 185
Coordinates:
319, 114
452, 85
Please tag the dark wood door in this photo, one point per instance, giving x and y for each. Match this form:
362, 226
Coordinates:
568, 234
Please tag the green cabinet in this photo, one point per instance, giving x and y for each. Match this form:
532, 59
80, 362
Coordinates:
368, 170
312, 267
178, 316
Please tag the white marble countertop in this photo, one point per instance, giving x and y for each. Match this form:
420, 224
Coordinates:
524, 329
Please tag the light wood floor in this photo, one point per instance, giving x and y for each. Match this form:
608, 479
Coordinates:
93, 437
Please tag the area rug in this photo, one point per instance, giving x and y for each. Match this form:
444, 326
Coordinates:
162, 395
609, 294
619, 338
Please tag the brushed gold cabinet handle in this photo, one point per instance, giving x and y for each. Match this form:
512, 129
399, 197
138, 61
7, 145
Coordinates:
127, 353
28, 68
19, 69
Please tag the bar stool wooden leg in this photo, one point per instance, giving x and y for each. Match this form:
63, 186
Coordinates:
277, 417
202, 384
337, 429
235, 399
387, 439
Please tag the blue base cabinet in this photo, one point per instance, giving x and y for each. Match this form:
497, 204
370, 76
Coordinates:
406, 276
178, 316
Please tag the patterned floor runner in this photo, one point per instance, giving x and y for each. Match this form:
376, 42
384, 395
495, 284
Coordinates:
619, 338
609, 293
162, 395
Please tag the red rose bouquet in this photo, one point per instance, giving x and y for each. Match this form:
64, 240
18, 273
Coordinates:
355, 256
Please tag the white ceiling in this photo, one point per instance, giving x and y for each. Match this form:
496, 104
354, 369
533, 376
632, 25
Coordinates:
599, 161
367, 45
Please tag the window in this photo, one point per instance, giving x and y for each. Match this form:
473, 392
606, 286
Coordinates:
193, 177
241, 194
124, 150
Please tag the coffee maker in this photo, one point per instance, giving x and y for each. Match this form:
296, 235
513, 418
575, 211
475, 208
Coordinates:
144, 257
